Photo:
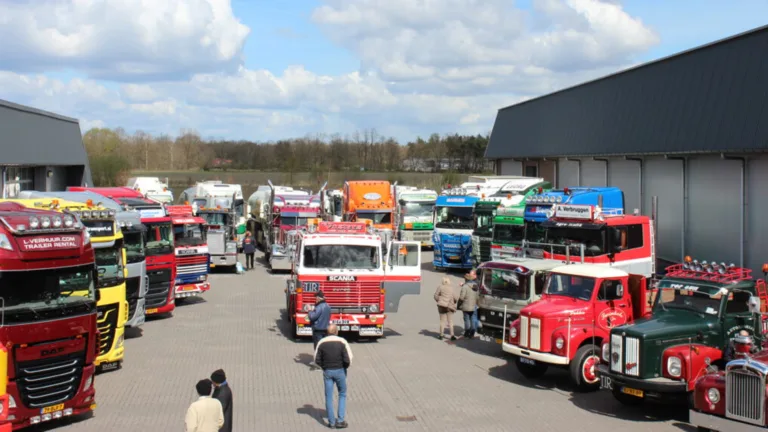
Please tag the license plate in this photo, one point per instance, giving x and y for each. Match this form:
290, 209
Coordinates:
52, 408
150, 311
189, 288
344, 328
606, 383
340, 321
354, 328
527, 361
632, 392
498, 341
213, 265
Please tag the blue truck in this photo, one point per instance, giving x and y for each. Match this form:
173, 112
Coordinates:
453, 219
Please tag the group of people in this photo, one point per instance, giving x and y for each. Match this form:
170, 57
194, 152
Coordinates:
212, 411
448, 303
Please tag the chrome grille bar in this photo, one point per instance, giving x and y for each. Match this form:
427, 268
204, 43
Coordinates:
745, 396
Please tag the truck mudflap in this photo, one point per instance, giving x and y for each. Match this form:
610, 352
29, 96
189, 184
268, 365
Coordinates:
716, 423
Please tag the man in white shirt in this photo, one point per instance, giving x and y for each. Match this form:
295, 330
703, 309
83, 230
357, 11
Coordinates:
205, 414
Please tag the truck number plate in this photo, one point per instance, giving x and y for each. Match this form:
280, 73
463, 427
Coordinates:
344, 328
527, 361
150, 311
632, 392
606, 383
51, 409
340, 321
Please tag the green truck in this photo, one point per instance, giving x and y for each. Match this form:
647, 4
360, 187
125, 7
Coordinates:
504, 208
697, 310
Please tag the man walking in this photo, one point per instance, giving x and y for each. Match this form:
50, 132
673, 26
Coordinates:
223, 393
468, 301
249, 248
319, 317
334, 356
205, 414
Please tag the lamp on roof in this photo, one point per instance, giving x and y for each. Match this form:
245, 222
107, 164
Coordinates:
688, 259
566, 191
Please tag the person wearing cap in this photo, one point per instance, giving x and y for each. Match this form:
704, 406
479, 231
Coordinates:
319, 318
223, 393
205, 414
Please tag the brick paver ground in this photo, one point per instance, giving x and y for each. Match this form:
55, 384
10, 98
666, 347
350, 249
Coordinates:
409, 381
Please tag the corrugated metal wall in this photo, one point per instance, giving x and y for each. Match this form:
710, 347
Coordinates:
712, 212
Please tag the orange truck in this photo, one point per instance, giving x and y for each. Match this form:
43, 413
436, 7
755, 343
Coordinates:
372, 200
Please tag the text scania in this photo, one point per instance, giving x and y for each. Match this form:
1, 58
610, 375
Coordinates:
342, 278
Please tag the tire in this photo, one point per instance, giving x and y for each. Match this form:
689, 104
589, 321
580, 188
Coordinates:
583, 369
626, 399
531, 372
267, 256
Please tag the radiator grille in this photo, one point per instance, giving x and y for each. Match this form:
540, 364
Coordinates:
348, 294
132, 287
744, 396
535, 333
632, 357
49, 381
523, 332
617, 351
159, 285
107, 324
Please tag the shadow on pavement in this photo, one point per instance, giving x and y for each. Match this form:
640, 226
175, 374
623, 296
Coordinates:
285, 328
189, 301
133, 332
316, 413
305, 359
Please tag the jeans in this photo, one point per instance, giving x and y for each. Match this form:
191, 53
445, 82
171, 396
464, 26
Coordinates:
469, 322
337, 377
249, 260
475, 321
317, 335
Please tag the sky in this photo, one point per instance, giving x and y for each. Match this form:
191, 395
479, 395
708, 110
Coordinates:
264, 70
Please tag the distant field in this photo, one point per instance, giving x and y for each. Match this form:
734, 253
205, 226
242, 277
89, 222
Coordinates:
250, 180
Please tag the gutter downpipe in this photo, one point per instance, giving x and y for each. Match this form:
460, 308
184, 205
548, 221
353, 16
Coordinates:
642, 192
684, 159
744, 203
578, 173
606, 169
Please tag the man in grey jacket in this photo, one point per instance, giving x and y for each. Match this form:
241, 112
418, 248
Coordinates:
319, 318
468, 303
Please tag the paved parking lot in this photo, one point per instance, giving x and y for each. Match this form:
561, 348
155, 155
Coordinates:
408, 381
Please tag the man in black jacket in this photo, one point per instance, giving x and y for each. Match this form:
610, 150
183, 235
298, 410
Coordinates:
334, 357
223, 393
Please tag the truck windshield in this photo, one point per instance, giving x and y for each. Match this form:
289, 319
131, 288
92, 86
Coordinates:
418, 209
376, 217
506, 284
570, 286
558, 239
215, 218
135, 249
504, 233
484, 218
109, 261
189, 234
341, 257
239, 206
534, 232
702, 299
40, 295
337, 206
454, 217
293, 220
159, 238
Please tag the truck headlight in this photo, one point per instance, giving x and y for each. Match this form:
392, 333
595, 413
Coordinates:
713, 395
559, 342
373, 308
88, 383
674, 366
11, 402
606, 352
513, 332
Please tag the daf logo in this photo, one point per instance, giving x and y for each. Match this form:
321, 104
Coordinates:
52, 351
342, 278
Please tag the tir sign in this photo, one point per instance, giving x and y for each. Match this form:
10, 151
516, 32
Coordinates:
572, 211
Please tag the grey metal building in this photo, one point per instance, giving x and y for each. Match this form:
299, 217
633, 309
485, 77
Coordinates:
40, 151
691, 129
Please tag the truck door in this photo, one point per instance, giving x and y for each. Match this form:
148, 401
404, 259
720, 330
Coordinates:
402, 272
612, 305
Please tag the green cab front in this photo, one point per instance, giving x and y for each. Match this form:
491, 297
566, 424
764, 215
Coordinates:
484, 213
659, 358
508, 233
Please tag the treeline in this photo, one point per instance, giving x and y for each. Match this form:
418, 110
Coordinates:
113, 153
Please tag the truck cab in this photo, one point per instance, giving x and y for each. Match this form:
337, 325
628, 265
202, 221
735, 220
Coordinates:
414, 215
191, 250
580, 305
152, 188
213, 194
698, 308
333, 205
452, 239
220, 235
371, 200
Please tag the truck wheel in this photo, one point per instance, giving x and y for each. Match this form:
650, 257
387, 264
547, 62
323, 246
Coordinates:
531, 371
626, 399
583, 369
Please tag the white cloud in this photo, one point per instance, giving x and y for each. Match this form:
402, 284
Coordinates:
121, 39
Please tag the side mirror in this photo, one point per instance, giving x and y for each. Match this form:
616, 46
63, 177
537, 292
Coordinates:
98, 295
754, 304
619, 291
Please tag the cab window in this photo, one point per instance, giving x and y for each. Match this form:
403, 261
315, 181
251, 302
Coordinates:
738, 303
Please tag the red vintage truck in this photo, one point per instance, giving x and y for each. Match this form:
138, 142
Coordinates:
580, 305
47, 274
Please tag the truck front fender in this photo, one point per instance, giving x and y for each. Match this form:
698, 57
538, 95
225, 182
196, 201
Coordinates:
694, 358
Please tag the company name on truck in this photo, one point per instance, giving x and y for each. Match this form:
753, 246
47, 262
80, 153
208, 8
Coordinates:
100, 228
49, 242
573, 211
342, 278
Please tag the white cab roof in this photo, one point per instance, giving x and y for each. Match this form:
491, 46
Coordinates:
341, 239
590, 270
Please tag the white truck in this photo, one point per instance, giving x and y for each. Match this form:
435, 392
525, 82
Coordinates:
414, 214
213, 194
487, 185
333, 205
152, 188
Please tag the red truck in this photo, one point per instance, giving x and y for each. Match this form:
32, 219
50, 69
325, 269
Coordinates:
193, 262
47, 275
580, 305
161, 261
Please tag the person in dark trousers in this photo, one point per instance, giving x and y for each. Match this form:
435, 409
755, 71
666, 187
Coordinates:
468, 303
223, 393
319, 318
334, 356
249, 248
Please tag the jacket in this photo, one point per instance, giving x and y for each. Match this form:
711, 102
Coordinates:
444, 297
204, 415
223, 394
249, 246
468, 297
320, 316
333, 352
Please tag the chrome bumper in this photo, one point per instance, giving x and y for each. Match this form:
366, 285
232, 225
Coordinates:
534, 355
722, 424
